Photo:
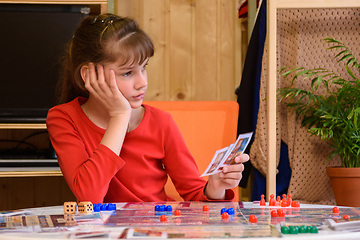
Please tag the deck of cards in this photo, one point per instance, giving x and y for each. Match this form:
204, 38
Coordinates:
226, 156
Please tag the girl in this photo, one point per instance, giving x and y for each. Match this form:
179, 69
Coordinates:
110, 147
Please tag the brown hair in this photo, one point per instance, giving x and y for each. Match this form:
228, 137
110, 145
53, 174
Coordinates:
101, 39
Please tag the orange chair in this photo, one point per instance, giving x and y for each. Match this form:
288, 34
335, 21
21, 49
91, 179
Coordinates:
206, 126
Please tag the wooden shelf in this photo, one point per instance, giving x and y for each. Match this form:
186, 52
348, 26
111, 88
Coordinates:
30, 172
22, 126
102, 3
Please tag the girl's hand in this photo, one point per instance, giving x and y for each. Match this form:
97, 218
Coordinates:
228, 178
106, 91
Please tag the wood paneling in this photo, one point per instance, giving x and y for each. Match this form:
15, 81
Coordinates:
197, 47
24, 192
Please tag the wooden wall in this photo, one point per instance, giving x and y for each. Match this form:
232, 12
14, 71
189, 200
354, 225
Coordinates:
197, 47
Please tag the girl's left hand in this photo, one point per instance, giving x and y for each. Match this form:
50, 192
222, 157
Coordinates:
228, 178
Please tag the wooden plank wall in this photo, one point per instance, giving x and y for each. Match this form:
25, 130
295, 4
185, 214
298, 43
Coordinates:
197, 47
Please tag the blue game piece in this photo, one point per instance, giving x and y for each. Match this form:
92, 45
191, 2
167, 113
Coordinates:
169, 208
223, 210
157, 208
111, 207
162, 208
103, 207
231, 211
96, 207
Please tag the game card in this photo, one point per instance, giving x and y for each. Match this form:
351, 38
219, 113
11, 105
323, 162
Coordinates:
237, 149
226, 156
215, 162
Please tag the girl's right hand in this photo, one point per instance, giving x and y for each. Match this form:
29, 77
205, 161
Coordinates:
106, 91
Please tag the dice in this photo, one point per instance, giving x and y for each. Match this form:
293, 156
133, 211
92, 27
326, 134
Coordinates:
70, 207
85, 207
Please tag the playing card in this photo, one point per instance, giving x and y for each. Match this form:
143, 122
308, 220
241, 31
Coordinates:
215, 162
226, 156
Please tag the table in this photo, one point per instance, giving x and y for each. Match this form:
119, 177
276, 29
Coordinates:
114, 232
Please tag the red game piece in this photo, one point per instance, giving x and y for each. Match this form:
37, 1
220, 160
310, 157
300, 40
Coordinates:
278, 199
346, 217
284, 197
280, 213
335, 210
272, 200
284, 203
289, 199
225, 215
177, 212
205, 208
252, 218
262, 201
295, 204
274, 213
163, 218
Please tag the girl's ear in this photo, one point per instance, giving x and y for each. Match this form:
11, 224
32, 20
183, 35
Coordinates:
84, 70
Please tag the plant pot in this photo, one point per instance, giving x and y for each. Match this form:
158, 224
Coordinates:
345, 183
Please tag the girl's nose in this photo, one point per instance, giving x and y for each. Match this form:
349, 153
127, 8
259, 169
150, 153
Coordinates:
141, 81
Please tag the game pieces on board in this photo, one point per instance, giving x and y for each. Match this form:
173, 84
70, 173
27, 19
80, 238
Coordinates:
286, 201
87, 207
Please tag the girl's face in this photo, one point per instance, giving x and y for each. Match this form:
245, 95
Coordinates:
131, 80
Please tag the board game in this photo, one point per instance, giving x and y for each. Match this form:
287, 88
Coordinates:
142, 220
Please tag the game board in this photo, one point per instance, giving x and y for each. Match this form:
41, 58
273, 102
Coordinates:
194, 222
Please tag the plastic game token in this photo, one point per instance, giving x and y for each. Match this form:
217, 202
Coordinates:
262, 200
294, 229
252, 218
335, 210
223, 210
103, 207
169, 208
111, 207
285, 230
162, 208
231, 211
284, 203
96, 207
280, 213
205, 208
163, 218
308, 229
314, 229
295, 204
274, 213
303, 229
225, 215
346, 217
177, 212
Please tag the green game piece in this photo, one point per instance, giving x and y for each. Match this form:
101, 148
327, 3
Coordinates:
314, 229
285, 230
308, 229
294, 230
303, 229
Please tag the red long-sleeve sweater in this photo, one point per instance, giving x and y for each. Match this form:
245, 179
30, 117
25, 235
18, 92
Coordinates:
150, 152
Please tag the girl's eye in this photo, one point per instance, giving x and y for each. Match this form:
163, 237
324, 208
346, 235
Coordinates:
144, 67
127, 74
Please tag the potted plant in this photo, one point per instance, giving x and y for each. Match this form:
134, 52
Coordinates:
334, 116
